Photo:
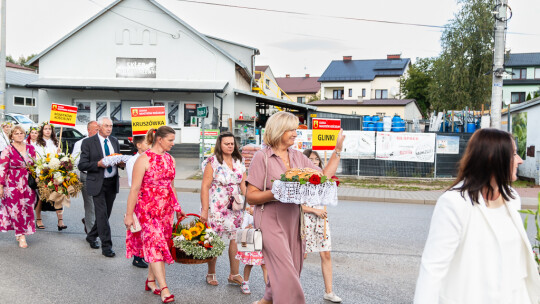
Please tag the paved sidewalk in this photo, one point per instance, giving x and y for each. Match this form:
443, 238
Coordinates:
187, 167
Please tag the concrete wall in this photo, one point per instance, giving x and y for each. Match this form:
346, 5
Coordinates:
13, 91
528, 89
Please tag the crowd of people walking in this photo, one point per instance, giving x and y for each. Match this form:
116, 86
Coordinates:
477, 250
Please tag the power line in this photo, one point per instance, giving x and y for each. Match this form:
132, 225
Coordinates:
339, 17
135, 21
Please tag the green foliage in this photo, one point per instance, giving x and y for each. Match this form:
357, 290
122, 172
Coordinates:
537, 94
417, 84
22, 60
536, 216
519, 130
528, 96
459, 78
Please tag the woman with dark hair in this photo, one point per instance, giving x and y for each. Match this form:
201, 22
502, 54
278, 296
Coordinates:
47, 143
477, 250
318, 238
154, 201
222, 180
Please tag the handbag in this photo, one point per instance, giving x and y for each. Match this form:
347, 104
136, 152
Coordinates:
31, 180
250, 239
136, 227
237, 202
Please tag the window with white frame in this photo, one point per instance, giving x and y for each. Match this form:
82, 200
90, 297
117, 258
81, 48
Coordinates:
301, 99
381, 94
24, 101
520, 73
350, 92
537, 73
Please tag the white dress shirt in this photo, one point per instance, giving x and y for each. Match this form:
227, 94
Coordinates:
76, 154
50, 148
129, 167
111, 150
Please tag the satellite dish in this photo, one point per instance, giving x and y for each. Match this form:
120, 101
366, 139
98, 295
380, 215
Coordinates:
393, 91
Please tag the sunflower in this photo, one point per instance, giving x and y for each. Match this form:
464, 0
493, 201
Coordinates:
194, 231
187, 234
200, 226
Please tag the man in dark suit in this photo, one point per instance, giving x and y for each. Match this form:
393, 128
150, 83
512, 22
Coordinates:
102, 182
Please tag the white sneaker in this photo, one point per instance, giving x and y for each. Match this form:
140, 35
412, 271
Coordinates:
332, 297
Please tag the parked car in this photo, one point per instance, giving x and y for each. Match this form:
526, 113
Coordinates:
123, 132
69, 137
19, 120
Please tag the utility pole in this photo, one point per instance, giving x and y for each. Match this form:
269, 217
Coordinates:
3, 62
498, 63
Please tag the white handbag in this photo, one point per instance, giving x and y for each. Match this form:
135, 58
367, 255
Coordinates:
251, 239
136, 227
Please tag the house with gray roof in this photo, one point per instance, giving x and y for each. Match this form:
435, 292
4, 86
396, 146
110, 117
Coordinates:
363, 79
523, 77
19, 98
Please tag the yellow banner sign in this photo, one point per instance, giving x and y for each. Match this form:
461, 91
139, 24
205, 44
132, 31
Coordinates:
63, 115
146, 118
325, 133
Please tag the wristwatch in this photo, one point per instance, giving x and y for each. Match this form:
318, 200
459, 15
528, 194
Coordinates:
338, 154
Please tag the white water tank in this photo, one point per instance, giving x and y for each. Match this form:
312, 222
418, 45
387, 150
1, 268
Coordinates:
387, 123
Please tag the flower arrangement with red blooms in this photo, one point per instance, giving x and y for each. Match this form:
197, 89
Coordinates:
307, 175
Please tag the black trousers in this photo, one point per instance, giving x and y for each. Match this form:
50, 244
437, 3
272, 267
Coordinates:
103, 203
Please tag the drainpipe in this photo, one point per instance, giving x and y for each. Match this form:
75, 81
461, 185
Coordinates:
252, 70
220, 110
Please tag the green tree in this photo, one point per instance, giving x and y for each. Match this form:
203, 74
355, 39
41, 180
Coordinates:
459, 74
528, 96
9, 58
416, 85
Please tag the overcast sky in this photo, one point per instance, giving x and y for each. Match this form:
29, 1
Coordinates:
290, 44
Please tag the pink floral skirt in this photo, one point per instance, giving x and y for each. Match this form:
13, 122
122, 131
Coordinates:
254, 258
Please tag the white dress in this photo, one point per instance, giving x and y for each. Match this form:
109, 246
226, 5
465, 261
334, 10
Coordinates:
50, 147
314, 228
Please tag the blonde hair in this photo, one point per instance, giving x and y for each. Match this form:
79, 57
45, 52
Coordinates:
15, 129
277, 125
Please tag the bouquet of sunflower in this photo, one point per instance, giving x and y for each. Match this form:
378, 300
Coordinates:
195, 241
56, 178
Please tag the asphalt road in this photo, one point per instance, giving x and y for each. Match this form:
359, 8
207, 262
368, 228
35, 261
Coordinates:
376, 255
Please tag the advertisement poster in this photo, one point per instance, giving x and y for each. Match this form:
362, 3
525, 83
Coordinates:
303, 140
146, 118
358, 145
210, 136
135, 67
63, 115
412, 147
325, 133
447, 144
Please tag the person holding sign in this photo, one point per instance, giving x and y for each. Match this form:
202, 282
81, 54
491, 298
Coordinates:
47, 143
102, 182
283, 247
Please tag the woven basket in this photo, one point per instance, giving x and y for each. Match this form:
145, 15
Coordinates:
180, 256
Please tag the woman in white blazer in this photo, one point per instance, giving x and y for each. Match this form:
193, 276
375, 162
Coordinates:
477, 250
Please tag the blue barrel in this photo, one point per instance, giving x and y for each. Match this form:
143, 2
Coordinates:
399, 126
396, 118
375, 118
471, 127
371, 127
367, 118
380, 126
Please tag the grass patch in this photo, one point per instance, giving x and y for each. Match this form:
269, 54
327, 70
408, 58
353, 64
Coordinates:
399, 184
197, 176
523, 184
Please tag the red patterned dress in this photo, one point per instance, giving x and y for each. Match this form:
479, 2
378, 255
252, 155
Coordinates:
155, 209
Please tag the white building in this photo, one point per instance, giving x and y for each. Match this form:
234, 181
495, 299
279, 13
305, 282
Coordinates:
137, 53
19, 98
524, 125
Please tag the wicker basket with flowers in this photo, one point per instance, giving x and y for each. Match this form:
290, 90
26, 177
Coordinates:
306, 186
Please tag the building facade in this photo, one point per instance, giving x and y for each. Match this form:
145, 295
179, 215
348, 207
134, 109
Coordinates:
20, 99
406, 108
364, 79
523, 77
300, 89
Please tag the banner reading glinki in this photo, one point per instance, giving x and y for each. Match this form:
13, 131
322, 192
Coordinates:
63, 115
325, 133
146, 118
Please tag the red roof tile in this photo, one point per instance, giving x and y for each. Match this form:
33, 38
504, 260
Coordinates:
292, 85
16, 66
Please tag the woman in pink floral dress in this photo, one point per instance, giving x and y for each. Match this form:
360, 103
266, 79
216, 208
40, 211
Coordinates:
153, 200
223, 179
17, 206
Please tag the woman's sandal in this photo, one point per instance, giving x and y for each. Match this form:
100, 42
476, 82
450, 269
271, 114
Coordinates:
233, 281
39, 226
22, 242
60, 228
167, 299
213, 281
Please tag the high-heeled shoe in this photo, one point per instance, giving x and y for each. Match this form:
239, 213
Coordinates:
39, 226
167, 299
147, 288
60, 228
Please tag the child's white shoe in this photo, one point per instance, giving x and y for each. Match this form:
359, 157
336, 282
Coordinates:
332, 297
245, 288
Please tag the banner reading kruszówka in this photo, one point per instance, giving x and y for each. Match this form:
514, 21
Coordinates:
146, 118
